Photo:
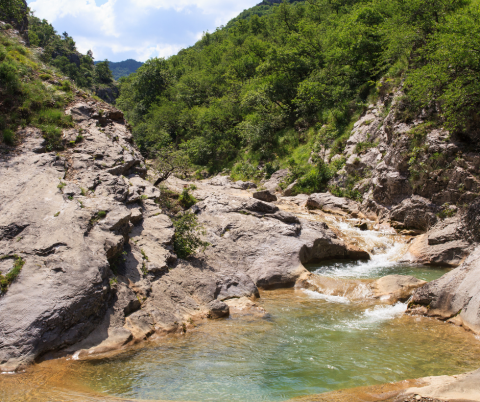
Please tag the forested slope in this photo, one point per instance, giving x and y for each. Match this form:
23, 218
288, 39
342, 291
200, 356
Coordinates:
265, 91
122, 68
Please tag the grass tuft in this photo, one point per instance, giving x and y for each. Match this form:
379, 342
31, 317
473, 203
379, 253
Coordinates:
7, 280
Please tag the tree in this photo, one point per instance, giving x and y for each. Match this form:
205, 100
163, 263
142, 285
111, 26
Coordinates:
103, 74
170, 160
13, 9
150, 81
449, 73
187, 235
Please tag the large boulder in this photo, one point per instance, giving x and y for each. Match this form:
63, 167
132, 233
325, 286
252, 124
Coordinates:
335, 205
396, 287
243, 185
455, 296
223, 181
443, 245
414, 213
273, 184
268, 245
265, 195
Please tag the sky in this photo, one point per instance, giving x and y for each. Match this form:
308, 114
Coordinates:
136, 29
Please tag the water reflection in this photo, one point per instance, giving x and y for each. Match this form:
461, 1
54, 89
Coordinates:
308, 346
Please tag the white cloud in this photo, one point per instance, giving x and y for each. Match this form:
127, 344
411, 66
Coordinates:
139, 29
101, 16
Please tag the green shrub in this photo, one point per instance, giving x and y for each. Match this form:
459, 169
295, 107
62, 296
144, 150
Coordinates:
53, 137
8, 136
270, 168
363, 146
54, 116
447, 211
187, 235
243, 171
168, 200
66, 86
6, 280
186, 199
45, 77
9, 77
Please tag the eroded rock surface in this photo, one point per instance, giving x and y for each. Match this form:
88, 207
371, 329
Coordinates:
456, 295
64, 215
265, 195
396, 287
335, 205
100, 269
273, 184
444, 244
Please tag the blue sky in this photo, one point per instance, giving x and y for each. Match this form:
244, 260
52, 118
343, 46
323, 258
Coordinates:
136, 29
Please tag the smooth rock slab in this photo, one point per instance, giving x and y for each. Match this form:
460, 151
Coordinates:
455, 294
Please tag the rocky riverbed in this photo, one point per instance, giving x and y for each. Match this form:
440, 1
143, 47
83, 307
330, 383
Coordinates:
98, 269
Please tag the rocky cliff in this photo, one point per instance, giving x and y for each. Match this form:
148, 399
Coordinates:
415, 176
421, 180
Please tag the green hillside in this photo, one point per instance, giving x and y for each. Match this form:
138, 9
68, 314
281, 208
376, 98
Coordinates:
265, 91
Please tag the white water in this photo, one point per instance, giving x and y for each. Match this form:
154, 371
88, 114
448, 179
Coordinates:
385, 252
366, 269
329, 298
372, 317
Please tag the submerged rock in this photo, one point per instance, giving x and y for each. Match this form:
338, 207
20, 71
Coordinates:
245, 307
396, 287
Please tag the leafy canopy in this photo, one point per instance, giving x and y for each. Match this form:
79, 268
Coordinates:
287, 78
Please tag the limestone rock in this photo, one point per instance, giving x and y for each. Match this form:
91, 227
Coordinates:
396, 287
456, 293
290, 190
245, 307
218, 309
65, 235
335, 205
273, 183
414, 213
265, 195
449, 254
270, 251
443, 245
243, 185
463, 387
220, 181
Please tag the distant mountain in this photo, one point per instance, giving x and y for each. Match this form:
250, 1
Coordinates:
123, 68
